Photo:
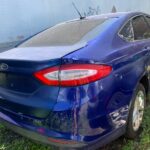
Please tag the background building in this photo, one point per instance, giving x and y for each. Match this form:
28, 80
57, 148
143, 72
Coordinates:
23, 18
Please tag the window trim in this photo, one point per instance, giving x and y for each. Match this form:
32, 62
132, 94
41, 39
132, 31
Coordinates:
148, 16
131, 19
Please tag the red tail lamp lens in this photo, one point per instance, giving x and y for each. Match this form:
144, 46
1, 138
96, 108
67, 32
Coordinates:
73, 74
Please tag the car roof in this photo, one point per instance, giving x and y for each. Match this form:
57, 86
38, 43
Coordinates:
109, 15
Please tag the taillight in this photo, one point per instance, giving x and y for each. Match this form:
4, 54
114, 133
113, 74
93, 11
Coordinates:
73, 74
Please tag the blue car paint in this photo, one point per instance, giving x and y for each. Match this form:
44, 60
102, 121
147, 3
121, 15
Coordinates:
27, 99
88, 113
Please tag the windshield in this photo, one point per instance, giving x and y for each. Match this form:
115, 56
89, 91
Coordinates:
69, 33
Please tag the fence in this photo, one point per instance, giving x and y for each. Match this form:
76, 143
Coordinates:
23, 18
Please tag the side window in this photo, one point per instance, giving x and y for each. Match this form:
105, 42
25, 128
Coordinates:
148, 20
141, 28
127, 32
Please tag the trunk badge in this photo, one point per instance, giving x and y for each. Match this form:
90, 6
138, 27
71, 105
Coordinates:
3, 67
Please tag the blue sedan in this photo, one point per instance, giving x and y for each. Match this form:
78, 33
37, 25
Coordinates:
79, 84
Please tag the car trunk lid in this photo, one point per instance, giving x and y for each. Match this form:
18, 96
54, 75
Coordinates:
21, 92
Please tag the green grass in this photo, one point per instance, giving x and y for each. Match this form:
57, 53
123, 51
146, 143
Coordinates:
12, 141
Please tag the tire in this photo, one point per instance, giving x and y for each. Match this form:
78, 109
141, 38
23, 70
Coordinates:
136, 113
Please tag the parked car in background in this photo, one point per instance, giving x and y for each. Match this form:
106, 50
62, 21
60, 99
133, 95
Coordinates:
79, 84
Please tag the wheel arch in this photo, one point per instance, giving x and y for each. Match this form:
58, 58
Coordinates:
145, 82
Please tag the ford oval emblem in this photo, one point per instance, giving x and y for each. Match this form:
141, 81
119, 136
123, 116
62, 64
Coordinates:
3, 67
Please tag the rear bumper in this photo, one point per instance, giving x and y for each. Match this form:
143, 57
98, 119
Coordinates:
79, 125
90, 138
42, 138
67, 144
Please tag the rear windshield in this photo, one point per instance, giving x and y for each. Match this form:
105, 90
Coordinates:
69, 33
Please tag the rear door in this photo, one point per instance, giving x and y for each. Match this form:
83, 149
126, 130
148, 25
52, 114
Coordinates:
141, 33
141, 30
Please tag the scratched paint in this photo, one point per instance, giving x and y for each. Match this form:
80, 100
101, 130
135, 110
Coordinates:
21, 19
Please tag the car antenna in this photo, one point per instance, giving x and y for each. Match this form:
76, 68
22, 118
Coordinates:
81, 17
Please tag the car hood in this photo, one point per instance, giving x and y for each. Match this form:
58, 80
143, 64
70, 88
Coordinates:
40, 53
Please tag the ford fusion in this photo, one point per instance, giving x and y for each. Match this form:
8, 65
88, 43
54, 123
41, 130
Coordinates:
79, 84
